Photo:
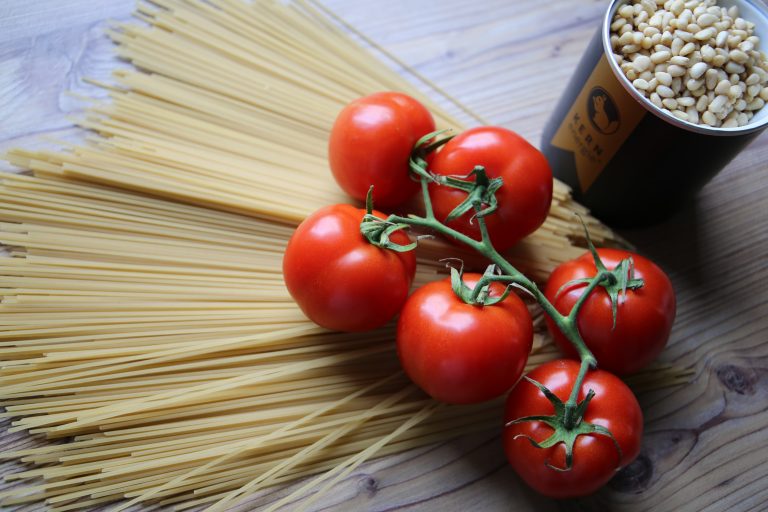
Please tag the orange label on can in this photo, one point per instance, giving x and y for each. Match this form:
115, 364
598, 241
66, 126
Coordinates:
598, 123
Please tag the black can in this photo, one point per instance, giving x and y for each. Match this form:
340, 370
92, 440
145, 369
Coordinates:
628, 161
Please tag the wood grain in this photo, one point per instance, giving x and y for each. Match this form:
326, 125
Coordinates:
706, 443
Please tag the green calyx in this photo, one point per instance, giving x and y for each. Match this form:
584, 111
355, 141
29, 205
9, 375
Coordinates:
480, 294
616, 282
481, 193
378, 231
480, 189
424, 146
567, 424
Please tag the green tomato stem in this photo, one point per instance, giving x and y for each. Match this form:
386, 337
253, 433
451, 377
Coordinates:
571, 420
427, 200
566, 323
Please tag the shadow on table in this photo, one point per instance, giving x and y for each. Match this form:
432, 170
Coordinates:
675, 244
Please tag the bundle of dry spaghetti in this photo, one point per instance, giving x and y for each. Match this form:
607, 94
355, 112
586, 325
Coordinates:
143, 312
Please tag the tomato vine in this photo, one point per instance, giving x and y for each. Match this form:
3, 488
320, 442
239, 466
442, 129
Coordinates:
568, 421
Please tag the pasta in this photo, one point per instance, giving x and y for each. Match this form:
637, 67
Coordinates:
143, 313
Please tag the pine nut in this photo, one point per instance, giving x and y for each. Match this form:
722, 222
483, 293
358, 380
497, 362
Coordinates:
680, 61
722, 87
732, 67
706, 34
664, 78
665, 92
677, 46
650, 31
641, 63
670, 103
684, 35
698, 70
752, 79
711, 79
688, 49
641, 84
625, 39
647, 43
722, 37
718, 104
694, 85
626, 11
616, 25
746, 46
706, 19
659, 57
702, 103
709, 118
676, 70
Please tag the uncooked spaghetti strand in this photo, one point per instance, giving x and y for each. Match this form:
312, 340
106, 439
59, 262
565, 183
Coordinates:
265, 478
254, 443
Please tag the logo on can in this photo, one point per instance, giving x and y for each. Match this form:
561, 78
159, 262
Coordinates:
603, 112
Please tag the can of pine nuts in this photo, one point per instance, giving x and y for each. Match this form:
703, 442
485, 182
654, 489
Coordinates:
629, 161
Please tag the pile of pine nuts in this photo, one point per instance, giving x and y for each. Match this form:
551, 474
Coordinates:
693, 59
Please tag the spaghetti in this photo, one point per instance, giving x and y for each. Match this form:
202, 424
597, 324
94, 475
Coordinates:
143, 312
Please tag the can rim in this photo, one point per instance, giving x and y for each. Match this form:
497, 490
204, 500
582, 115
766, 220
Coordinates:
653, 109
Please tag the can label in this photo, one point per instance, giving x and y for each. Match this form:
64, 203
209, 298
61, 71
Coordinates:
598, 123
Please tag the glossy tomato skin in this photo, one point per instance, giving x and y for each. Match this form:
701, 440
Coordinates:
340, 280
595, 458
459, 353
371, 143
523, 200
643, 320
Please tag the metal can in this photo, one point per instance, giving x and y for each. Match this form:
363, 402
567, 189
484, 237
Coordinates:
628, 161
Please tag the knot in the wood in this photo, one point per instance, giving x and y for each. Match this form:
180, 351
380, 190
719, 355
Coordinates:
736, 379
368, 484
635, 477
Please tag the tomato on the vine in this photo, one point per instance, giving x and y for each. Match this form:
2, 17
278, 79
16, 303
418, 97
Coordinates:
643, 319
523, 200
371, 143
339, 279
461, 353
595, 457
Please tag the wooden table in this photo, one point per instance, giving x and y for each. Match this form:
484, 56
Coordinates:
706, 443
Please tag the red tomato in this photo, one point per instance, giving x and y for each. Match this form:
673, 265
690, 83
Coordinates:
595, 457
523, 200
339, 279
643, 319
460, 353
371, 143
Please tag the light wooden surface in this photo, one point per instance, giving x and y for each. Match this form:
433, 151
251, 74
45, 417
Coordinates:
706, 444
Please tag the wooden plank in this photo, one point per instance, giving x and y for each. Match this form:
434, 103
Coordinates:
706, 443
20, 19
42, 75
